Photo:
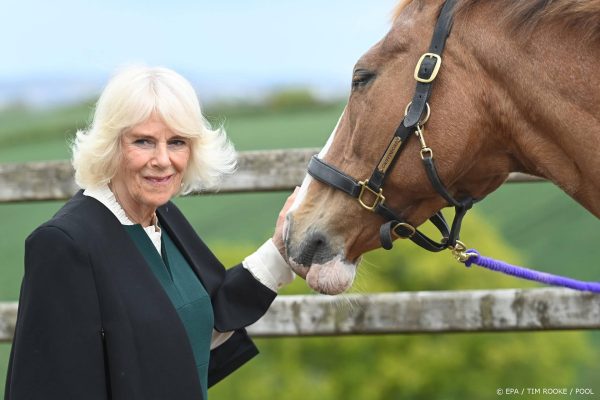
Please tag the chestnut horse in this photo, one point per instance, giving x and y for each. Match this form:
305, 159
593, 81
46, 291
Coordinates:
518, 91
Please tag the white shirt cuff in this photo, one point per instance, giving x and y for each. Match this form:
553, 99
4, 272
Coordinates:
218, 338
268, 266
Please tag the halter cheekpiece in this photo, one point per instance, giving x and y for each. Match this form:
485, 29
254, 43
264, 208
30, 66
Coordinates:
369, 192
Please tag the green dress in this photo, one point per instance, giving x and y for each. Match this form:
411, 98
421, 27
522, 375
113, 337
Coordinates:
185, 291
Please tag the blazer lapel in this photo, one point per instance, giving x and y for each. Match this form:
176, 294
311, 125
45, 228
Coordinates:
125, 265
205, 265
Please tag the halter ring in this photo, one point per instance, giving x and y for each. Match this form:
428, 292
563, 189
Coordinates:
427, 114
411, 228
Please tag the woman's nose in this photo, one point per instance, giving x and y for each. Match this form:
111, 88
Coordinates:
161, 156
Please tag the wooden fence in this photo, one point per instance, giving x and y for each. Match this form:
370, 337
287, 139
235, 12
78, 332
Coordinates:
258, 171
311, 315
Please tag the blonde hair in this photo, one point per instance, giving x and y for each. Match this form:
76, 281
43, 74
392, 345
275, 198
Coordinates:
130, 98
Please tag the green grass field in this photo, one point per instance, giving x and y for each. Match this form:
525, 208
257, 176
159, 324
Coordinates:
547, 230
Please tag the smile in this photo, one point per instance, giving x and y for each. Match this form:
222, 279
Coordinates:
158, 180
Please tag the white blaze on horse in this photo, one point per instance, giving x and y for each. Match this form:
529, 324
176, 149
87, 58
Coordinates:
518, 91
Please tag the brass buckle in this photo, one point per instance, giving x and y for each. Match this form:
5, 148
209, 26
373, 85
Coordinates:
435, 71
379, 198
404, 224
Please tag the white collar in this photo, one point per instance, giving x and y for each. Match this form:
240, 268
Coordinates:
105, 196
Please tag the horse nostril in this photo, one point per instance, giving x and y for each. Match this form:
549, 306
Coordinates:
315, 249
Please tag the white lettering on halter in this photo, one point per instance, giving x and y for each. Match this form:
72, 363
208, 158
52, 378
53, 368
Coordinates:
307, 179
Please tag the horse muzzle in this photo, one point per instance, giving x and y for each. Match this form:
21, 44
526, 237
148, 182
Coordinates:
316, 256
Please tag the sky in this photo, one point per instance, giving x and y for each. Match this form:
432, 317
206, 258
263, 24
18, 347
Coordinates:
228, 47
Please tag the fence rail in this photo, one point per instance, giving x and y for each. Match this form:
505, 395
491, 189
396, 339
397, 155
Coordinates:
258, 171
316, 315
413, 312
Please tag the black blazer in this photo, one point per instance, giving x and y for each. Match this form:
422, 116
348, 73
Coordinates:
95, 323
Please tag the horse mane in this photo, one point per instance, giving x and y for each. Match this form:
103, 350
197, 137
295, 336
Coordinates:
398, 9
522, 16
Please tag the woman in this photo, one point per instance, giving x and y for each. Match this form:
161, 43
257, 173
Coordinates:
120, 298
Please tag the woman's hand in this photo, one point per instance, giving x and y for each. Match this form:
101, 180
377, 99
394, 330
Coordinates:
278, 235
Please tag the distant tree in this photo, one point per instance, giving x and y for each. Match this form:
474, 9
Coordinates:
292, 98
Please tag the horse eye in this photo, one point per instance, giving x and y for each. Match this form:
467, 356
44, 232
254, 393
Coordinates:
361, 77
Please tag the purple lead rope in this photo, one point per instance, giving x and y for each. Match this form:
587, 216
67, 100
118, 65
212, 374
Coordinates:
526, 273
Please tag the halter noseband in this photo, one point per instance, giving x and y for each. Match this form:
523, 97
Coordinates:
413, 123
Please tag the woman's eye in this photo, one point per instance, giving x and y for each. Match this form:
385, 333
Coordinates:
361, 78
143, 142
177, 143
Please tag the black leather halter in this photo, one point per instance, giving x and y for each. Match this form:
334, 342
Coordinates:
416, 116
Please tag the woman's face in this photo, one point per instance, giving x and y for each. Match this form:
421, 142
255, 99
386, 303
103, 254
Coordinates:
154, 160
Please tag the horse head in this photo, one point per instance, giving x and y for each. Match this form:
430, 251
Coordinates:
467, 125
